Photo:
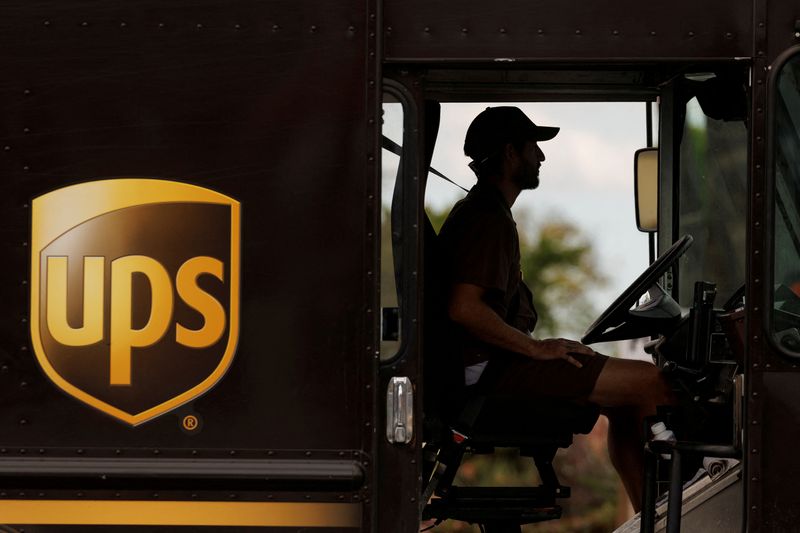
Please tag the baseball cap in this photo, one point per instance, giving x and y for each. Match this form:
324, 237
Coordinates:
496, 126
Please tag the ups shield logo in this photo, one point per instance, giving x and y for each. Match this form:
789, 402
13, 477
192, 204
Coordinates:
134, 292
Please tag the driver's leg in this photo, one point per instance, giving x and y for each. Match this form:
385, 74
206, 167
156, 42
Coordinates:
629, 391
625, 450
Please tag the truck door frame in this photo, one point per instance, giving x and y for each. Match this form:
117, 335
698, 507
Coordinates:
399, 465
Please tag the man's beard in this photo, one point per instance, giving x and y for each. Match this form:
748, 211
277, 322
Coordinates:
527, 178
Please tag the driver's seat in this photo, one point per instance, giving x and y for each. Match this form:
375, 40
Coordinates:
459, 420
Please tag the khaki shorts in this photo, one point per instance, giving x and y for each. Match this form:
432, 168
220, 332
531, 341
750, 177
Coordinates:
514, 375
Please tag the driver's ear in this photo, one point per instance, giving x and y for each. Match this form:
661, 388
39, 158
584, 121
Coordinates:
510, 152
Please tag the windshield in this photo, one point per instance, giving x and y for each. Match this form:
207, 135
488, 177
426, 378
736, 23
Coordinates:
713, 202
786, 274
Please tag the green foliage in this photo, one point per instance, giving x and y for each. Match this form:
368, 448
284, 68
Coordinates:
437, 218
558, 266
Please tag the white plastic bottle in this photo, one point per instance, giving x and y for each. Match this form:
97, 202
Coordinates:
660, 432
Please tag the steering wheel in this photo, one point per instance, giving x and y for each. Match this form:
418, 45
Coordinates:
617, 313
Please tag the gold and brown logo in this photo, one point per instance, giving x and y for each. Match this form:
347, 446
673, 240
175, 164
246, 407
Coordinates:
135, 292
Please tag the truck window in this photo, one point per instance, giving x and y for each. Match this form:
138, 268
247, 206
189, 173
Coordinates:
786, 244
713, 202
390, 233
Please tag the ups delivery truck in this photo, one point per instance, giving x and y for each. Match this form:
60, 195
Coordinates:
193, 331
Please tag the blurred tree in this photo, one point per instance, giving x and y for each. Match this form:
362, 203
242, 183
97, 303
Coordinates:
558, 266
437, 218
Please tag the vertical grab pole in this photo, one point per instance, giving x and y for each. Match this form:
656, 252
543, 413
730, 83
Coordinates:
648, 516
675, 494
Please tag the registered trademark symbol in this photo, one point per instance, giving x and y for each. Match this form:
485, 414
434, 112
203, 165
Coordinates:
190, 423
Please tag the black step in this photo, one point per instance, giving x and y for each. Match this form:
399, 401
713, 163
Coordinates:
520, 505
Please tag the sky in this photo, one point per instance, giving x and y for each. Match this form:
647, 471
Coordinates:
586, 179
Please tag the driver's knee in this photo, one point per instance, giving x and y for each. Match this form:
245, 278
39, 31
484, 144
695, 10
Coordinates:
650, 381
658, 388
625, 382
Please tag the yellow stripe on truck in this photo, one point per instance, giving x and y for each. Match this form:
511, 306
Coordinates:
174, 513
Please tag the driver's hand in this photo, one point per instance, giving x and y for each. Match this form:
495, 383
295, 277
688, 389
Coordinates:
547, 349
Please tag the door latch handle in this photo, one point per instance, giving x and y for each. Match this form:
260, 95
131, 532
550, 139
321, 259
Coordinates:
400, 411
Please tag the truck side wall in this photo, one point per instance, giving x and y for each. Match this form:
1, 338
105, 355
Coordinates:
272, 104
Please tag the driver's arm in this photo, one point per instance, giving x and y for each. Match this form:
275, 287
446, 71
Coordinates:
467, 307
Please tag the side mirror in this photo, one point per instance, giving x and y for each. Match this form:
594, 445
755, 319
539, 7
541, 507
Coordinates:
645, 172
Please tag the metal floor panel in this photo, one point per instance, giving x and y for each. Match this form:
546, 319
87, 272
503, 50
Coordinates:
709, 505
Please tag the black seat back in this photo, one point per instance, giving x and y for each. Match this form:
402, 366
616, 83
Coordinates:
443, 374
444, 391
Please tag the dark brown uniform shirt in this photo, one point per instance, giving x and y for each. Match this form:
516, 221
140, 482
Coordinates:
480, 246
